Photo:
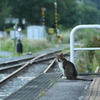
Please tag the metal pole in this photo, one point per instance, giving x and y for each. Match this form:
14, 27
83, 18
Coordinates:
72, 39
56, 18
15, 28
43, 16
15, 42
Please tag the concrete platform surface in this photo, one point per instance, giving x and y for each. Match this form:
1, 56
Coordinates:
34, 88
49, 86
67, 90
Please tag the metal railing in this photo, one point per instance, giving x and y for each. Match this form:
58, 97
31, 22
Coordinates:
72, 49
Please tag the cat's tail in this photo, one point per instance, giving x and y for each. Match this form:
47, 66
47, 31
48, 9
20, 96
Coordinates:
84, 79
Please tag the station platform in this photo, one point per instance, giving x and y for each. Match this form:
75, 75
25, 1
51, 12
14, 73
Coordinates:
68, 90
50, 86
94, 90
35, 87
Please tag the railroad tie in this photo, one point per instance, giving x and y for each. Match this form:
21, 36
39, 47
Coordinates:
94, 90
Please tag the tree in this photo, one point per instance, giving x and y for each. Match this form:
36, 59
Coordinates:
69, 12
91, 15
4, 11
97, 3
90, 3
31, 10
86, 11
68, 15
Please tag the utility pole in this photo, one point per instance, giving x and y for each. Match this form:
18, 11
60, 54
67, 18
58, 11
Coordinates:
43, 15
56, 18
15, 29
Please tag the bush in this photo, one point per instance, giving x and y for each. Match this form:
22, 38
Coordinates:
91, 57
28, 45
7, 45
34, 45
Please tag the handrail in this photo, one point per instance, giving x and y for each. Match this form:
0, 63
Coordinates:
72, 39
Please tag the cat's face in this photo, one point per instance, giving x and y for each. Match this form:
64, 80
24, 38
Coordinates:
59, 58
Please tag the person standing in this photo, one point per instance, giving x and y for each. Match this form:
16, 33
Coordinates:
19, 47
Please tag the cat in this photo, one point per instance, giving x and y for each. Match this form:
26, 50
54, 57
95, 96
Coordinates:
68, 69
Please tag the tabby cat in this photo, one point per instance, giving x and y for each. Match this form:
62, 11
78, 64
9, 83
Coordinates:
67, 68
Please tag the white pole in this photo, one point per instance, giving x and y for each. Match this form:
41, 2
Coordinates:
72, 38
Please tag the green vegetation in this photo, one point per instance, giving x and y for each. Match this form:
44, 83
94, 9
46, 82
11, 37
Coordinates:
6, 45
4, 56
52, 81
70, 12
35, 45
94, 64
28, 45
88, 60
4, 12
42, 93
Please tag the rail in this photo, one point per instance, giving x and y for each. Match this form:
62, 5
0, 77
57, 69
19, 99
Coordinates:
72, 49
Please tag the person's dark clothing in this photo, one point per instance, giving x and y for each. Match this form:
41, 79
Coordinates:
19, 47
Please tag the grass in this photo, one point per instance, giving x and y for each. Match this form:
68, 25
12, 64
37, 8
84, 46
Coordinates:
4, 56
28, 45
7, 44
41, 94
52, 82
87, 61
35, 45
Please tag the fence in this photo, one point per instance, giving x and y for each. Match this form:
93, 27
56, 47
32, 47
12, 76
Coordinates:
72, 49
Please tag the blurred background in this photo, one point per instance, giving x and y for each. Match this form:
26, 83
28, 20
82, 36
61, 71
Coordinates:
41, 24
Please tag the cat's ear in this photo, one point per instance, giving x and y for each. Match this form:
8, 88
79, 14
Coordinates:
61, 54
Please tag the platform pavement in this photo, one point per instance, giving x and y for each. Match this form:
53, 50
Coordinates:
67, 90
50, 86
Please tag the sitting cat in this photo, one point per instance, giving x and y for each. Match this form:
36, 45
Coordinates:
67, 68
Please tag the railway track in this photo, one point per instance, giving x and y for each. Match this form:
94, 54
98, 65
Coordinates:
9, 67
25, 72
22, 61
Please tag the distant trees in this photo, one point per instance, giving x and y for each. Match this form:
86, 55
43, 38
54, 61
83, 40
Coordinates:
97, 3
31, 11
70, 12
88, 14
4, 11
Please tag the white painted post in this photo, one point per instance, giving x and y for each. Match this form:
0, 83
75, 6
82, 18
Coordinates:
72, 40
